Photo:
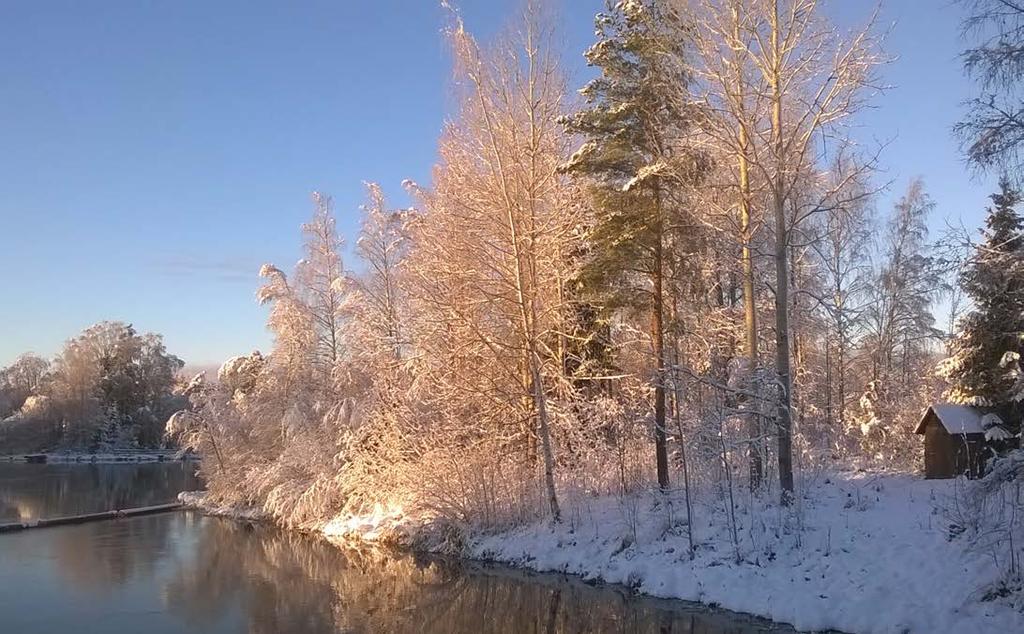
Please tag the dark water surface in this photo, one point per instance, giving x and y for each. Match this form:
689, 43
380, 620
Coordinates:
183, 572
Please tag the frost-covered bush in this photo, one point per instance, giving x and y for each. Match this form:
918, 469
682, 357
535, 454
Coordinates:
36, 406
988, 518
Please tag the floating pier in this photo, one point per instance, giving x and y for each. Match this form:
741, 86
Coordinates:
90, 517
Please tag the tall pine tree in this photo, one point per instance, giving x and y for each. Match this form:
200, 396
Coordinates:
635, 115
985, 359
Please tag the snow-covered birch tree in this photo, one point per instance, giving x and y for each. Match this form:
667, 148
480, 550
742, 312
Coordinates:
376, 303
319, 278
992, 131
488, 256
814, 78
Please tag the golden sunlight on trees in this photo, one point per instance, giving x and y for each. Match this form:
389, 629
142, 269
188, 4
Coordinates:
685, 259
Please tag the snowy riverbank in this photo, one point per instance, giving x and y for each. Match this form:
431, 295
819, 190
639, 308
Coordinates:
873, 556
863, 553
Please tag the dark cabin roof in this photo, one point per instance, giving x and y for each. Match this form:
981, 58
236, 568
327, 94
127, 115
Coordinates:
956, 419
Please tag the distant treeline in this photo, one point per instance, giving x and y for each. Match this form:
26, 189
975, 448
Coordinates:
109, 388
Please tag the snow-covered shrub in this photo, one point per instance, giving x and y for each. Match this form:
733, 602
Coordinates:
36, 406
238, 375
988, 518
884, 424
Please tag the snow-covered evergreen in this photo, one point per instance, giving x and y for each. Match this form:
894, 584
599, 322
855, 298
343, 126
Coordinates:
633, 162
985, 362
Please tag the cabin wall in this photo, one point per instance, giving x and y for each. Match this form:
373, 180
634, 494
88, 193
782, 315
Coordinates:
949, 456
938, 451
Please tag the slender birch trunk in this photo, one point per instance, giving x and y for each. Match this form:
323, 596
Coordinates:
749, 300
782, 353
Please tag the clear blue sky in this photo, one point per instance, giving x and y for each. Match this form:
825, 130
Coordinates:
154, 153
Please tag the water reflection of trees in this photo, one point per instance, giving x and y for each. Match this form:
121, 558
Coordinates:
50, 490
98, 558
286, 582
210, 571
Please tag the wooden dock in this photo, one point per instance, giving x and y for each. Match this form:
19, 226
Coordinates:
89, 517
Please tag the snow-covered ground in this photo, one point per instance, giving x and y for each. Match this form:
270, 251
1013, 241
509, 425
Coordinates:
199, 500
873, 556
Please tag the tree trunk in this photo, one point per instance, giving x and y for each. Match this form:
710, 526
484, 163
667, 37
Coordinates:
841, 368
541, 402
530, 403
749, 316
677, 414
782, 365
829, 403
658, 336
753, 423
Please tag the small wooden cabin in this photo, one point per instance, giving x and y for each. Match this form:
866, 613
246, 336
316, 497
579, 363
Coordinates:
954, 441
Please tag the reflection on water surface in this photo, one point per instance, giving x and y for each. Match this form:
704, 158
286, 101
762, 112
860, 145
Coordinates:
182, 572
32, 491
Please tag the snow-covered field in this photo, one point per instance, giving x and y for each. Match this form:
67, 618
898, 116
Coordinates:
873, 556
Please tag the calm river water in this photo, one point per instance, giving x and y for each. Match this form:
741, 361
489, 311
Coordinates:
183, 572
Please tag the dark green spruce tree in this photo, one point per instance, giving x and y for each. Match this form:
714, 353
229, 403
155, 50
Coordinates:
636, 115
985, 359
